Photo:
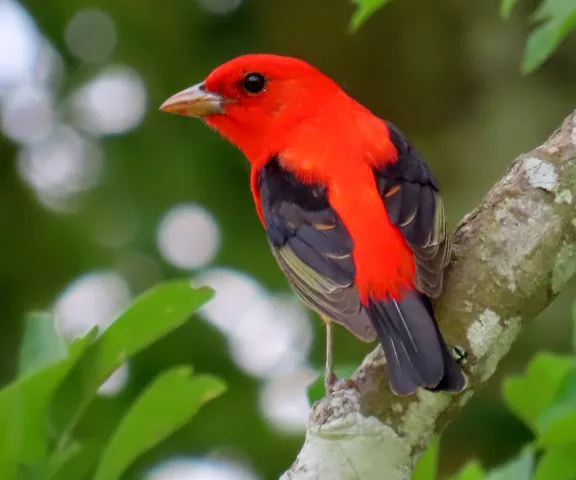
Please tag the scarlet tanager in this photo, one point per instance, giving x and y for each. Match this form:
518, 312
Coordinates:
351, 210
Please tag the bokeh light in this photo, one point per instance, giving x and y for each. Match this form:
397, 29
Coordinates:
284, 402
27, 114
19, 44
113, 102
188, 236
220, 7
49, 70
60, 166
199, 469
237, 292
96, 298
91, 35
268, 334
272, 336
115, 382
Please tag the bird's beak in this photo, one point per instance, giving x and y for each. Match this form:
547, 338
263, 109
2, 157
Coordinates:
194, 102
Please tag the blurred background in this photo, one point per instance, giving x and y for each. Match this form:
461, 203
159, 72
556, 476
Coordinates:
102, 196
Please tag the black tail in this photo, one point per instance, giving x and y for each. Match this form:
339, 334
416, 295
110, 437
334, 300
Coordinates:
415, 351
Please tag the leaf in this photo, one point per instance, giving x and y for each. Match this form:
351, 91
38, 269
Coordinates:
529, 394
364, 9
427, 466
557, 424
316, 390
506, 7
519, 468
24, 411
41, 345
574, 327
558, 463
152, 316
164, 407
76, 462
540, 45
559, 17
472, 471
554, 10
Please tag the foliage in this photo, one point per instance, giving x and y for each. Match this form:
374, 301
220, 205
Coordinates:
40, 410
544, 398
364, 9
555, 19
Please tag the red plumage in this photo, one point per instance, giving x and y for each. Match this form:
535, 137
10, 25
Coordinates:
310, 120
352, 212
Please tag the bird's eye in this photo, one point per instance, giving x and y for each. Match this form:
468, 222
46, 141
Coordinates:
254, 83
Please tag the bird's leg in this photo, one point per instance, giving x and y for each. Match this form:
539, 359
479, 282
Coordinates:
330, 379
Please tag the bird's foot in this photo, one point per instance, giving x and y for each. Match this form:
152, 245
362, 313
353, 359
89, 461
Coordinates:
330, 382
334, 384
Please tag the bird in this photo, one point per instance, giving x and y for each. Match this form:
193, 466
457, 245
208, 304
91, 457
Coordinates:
352, 212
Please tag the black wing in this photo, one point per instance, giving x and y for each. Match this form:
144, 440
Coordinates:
410, 193
313, 248
415, 350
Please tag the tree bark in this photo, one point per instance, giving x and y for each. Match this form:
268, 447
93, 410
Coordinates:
511, 257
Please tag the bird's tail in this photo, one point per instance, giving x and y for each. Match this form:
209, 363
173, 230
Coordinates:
415, 351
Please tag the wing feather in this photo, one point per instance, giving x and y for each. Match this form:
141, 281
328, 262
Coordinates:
410, 193
313, 248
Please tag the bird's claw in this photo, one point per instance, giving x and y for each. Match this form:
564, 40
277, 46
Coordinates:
330, 382
334, 384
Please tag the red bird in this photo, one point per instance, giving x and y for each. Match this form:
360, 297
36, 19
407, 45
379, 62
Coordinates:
351, 210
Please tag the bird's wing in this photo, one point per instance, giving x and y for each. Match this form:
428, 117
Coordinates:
410, 194
313, 247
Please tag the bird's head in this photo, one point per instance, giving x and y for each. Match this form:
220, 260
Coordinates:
255, 99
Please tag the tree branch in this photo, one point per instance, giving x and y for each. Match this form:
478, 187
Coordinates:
512, 256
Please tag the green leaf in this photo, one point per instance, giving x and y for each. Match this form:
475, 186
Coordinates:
540, 45
427, 466
364, 9
519, 468
529, 394
41, 345
472, 471
24, 411
77, 462
164, 407
558, 463
152, 316
316, 390
506, 7
559, 17
557, 424
574, 327
554, 10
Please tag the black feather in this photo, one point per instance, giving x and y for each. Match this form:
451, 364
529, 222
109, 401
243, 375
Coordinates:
301, 223
410, 194
415, 351
393, 204
426, 216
